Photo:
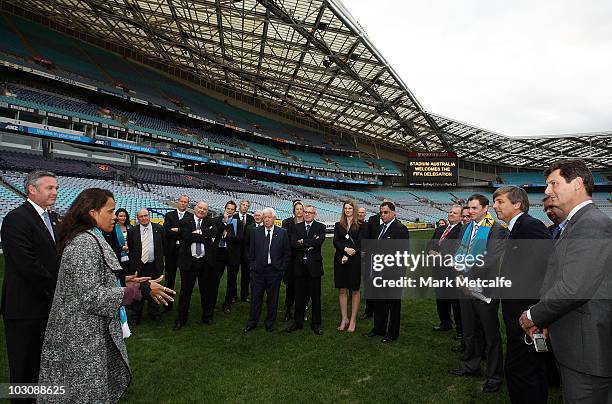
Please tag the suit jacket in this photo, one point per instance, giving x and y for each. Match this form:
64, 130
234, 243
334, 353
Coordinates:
396, 231
280, 251
135, 245
308, 252
187, 226
524, 260
373, 226
248, 234
494, 251
241, 236
450, 243
232, 241
171, 220
31, 264
576, 301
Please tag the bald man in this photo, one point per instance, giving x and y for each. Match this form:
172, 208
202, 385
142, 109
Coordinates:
146, 243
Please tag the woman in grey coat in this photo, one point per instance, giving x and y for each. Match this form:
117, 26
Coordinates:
84, 348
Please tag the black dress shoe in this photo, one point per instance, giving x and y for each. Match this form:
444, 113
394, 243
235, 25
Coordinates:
287, 316
386, 340
365, 316
208, 321
441, 328
248, 328
177, 326
491, 387
227, 310
464, 372
247, 300
293, 327
317, 330
370, 334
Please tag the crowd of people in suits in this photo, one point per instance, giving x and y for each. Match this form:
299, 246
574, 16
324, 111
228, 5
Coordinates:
562, 286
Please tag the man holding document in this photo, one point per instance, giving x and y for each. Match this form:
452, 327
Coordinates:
478, 255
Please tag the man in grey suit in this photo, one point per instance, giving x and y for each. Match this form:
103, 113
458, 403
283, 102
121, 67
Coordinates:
576, 297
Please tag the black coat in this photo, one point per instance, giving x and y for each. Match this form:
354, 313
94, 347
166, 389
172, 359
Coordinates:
135, 245
280, 251
171, 220
525, 259
232, 241
187, 226
310, 249
450, 243
31, 264
373, 226
241, 236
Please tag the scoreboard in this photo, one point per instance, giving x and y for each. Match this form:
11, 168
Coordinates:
434, 169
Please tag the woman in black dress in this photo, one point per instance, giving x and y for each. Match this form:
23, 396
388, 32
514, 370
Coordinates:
347, 266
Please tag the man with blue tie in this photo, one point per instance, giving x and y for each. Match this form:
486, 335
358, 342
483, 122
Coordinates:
31, 267
387, 312
269, 253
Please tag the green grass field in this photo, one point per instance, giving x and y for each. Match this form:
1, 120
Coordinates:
220, 363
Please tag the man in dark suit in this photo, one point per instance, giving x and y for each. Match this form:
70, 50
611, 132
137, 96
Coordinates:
306, 240
258, 222
576, 297
244, 220
31, 265
482, 237
173, 242
556, 215
387, 312
288, 224
524, 263
269, 254
444, 242
196, 263
372, 228
226, 250
146, 243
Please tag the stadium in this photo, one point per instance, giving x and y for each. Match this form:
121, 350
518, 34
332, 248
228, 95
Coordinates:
268, 101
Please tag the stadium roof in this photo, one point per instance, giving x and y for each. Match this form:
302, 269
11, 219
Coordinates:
310, 56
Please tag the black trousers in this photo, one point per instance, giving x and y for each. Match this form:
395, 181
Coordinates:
24, 341
308, 288
369, 307
220, 262
245, 279
201, 272
289, 288
387, 317
266, 280
580, 387
231, 288
444, 307
171, 262
526, 375
147, 269
487, 314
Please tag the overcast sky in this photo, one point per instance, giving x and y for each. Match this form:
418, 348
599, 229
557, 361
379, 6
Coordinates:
514, 67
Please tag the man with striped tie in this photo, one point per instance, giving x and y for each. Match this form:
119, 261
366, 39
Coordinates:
146, 241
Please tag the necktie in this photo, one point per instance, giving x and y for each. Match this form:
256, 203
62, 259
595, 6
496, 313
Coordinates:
472, 236
181, 214
47, 221
268, 242
198, 248
382, 232
307, 229
145, 246
443, 236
